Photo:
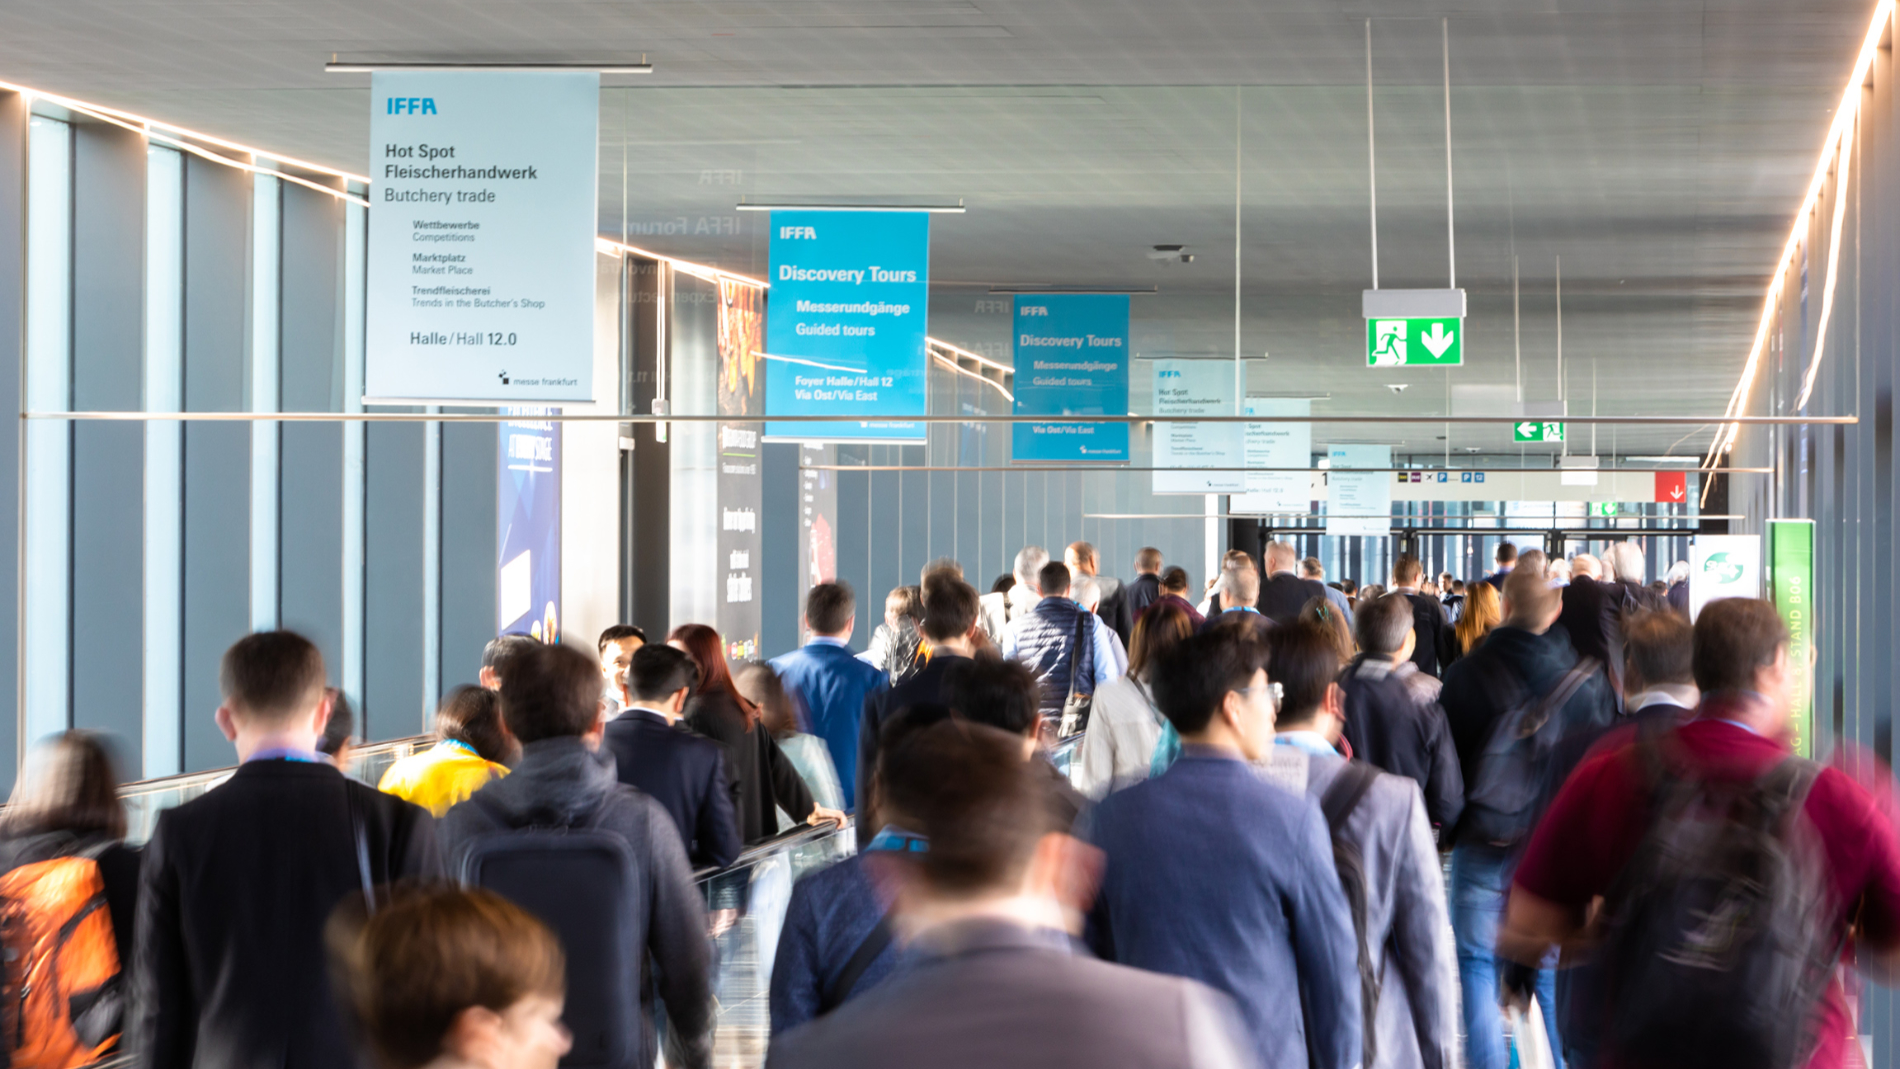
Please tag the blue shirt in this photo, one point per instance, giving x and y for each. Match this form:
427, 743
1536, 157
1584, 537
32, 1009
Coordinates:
1217, 875
831, 914
827, 686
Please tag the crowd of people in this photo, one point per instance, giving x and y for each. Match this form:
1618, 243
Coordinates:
1245, 864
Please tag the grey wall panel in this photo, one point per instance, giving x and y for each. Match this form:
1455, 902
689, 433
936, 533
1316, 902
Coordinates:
13, 120
392, 579
217, 575
310, 496
108, 459
469, 552
310, 537
853, 538
778, 559
217, 456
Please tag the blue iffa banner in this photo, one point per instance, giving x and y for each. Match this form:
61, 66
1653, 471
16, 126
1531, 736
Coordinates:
845, 324
528, 521
1071, 360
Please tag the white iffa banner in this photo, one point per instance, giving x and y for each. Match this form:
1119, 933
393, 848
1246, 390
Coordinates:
481, 237
1197, 388
1359, 503
1280, 446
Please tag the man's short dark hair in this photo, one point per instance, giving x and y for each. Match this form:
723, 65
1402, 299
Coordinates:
830, 606
967, 788
950, 608
656, 672
1001, 694
1733, 638
503, 649
946, 565
1659, 647
618, 632
1147, 559
1311, 568
1190, 681
1350, 586
1407, 569
271, 675
1053, 579
1304, 661
341, 727
1506, 553
551, 692
1381, 624
1175, 578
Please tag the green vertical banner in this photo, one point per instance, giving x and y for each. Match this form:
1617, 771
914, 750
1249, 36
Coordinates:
1791, 587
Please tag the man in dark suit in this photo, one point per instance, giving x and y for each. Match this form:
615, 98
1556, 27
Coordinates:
236, 885
1284, 592
982, 908
1431, 650
1113, 607
949, 625
683, 770
1146, 588
1507, 560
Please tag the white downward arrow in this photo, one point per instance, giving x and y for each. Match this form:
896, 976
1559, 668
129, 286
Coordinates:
1438, 341
1676, 492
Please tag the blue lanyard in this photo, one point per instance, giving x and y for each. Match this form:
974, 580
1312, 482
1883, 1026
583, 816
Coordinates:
288, 753
459, 745
899, 841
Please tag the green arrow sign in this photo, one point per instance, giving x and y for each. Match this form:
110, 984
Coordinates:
1530, 430
1603, 508
1415, 342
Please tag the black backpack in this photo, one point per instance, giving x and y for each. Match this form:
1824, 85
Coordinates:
583, 883
1501, 800
1718, 942
1347, 789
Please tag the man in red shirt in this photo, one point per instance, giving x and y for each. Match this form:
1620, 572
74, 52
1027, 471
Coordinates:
1601, 815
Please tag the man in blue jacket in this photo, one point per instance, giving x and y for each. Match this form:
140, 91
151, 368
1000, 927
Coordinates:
826, 682
1215, 874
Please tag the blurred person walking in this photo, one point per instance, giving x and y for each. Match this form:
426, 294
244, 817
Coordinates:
677, 767
1126, 723
1393, 719
1311, 568
1512, 704
1326, 616
496, 655
951, 608
1025, 595
1428, 616
827, 684
1386, 858
1732, 875
1483, 611
1145, 589
1112, 605
1239, 589
1174, 587
1283, 591
987, 913
896, 649
1506, 557
472, 747
1065, 647
1215, 874
758, 684
236, 884
69, 888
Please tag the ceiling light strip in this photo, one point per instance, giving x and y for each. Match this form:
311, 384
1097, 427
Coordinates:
702, 271
1843, 116
1833, 272
968, 355
99, 111
967, 373
372, 66
940, 209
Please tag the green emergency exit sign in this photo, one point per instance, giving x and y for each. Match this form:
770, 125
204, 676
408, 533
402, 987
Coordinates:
1605, 509
1415, 342
1530, 430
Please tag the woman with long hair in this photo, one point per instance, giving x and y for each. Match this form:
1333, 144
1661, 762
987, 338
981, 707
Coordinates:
764, 779
1482, 612
1324, 615
1124, 724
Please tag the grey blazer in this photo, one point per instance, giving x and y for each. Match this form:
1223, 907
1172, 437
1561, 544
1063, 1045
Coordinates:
994, 994
1407, 929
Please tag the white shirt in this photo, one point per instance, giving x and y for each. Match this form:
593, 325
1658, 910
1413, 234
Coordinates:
1119, 746
1683, 694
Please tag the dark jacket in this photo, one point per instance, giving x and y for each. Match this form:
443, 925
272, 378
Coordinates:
1114, 608
233, 896
1215, 874
831, 913
1477, 692
1429, 625
827, 685
1284, 595
685, 772
926, 687
1194, 614
560, 782
118, 868
1143, 592
1393, 722
763, 780
1593, 617
1046, 642
992, 993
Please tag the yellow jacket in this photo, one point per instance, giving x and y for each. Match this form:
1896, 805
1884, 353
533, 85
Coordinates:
440, 776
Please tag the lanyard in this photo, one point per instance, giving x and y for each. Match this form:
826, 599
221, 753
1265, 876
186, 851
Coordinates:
897, 840
287, 753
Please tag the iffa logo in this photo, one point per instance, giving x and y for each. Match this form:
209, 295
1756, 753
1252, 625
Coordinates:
789, 233
410, 106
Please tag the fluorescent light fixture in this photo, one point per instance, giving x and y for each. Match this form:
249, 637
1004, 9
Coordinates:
371, 66
805, 206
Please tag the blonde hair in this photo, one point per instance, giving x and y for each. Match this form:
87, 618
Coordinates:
1483, 611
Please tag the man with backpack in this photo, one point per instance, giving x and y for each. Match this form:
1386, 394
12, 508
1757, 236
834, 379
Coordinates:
1732, 874
1387, 862
1512, 704
229, 967
1393, 719
602, 863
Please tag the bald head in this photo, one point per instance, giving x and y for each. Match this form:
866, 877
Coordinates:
1530, 602
1080, 557
1280, 558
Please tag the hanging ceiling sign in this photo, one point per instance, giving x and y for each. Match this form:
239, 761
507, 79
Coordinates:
1278, 445
1197, 388
1414, 328
481, 240
1359, 502
1071, 360
845, 324
1531, 430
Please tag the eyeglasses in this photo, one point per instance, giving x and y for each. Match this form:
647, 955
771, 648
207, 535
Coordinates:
1274, 693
